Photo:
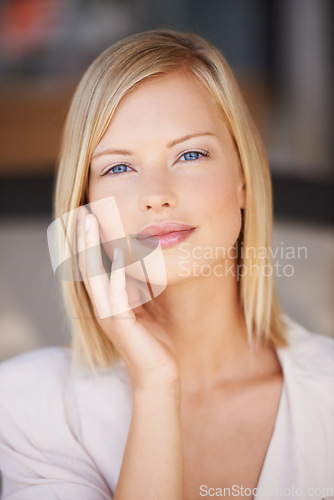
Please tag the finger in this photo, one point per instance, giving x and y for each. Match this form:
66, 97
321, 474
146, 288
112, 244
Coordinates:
80, 241
81, 247
138, 293
82, 212
118, 297
80, 251
96, 275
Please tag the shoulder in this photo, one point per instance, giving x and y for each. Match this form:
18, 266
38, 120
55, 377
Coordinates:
41, 388
29, 376
56, 422
41, 369
52, 359
32, 389
309, 360
310, 347
307, 412
44, 428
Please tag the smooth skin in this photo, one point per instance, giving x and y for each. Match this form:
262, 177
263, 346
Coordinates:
187, 347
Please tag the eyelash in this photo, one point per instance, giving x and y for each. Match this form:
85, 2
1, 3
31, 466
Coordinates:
203, 153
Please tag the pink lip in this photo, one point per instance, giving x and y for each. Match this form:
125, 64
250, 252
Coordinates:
168, 233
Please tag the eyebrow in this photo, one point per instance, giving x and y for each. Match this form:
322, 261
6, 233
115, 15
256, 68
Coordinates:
125, 152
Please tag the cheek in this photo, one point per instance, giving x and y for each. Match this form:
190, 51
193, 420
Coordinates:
221, 209
97, 190
108, 209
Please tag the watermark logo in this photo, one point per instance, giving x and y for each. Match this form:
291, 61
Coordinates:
202, 261
274, 492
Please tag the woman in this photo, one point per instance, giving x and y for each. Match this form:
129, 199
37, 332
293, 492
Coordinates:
204, 388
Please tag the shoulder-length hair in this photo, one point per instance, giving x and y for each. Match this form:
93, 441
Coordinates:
109, 78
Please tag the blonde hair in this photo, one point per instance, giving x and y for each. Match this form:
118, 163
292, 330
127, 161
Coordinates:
109, 78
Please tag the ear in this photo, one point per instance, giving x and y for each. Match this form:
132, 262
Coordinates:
241, 188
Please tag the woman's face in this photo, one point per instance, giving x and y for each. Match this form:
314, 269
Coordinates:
167, 155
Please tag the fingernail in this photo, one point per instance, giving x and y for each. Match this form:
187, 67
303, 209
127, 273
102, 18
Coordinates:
116, 253
87, 223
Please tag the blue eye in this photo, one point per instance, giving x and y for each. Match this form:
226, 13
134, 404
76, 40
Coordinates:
121, 168
194, 155
117, 169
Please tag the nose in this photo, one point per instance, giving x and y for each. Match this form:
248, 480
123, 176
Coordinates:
157, 192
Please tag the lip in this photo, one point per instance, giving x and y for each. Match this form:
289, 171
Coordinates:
168, 233
161, 229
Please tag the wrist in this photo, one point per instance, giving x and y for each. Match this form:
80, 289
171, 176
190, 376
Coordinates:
170, 392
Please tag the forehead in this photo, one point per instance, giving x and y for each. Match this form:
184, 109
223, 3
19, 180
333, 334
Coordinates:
176, 100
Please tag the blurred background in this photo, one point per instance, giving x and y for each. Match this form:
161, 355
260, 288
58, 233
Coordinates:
282, 54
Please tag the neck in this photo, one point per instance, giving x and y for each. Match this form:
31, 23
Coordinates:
204, 319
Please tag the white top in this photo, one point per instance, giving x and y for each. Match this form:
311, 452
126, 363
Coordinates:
63, 436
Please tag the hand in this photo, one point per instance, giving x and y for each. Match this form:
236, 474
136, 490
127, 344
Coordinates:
144, 345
